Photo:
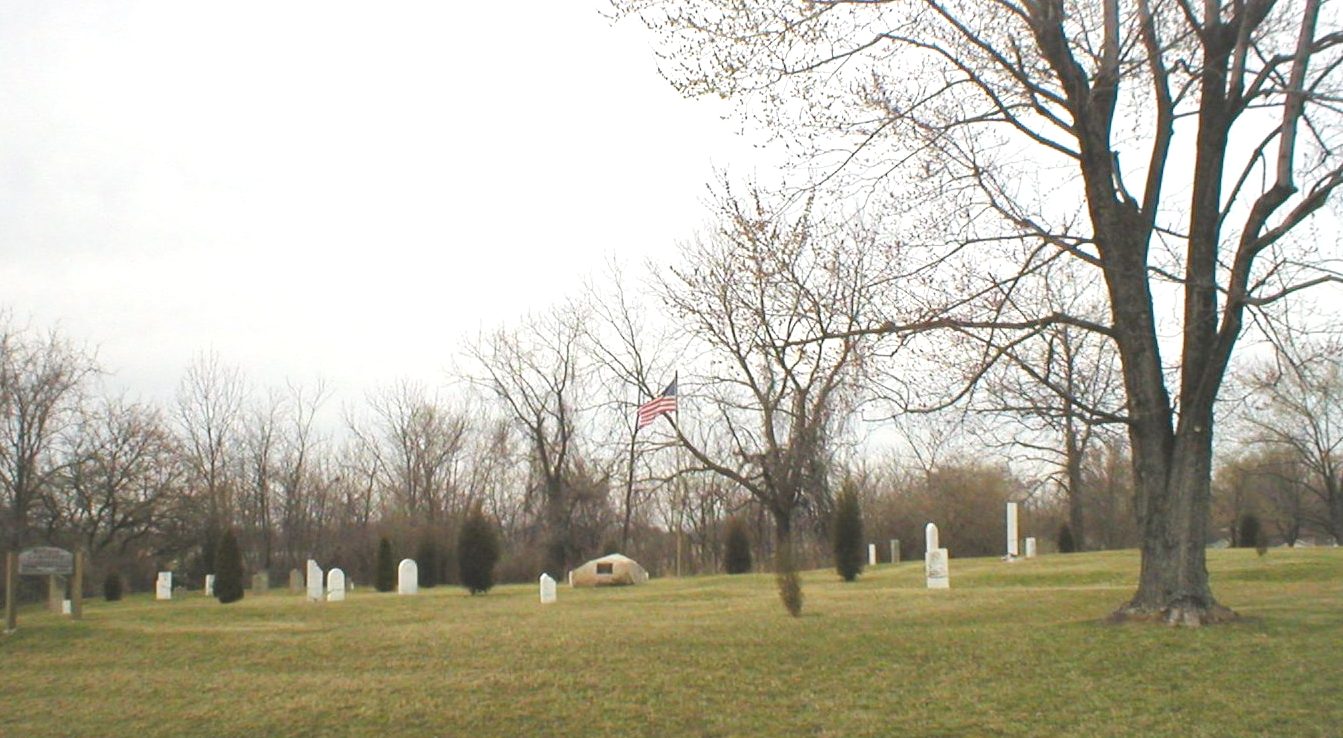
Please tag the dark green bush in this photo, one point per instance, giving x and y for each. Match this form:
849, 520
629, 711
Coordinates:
737, 549
477, 551
427, 560
1065, 540
1249, 532
848, 533
228, 569
112, 586
385, 578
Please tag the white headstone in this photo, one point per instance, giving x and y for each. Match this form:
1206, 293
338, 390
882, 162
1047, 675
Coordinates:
937, 569
871, 554
1012, 529
66, 607
571, 577
209, 585
408, 577
335, 586
163, 588
1030, 547
930, 537
547, 589
314, 581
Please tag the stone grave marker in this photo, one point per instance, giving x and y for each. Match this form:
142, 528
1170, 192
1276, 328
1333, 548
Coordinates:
895, 550
260, 582
163, 587
1030, 547
314, 581
935, 560
871, 554
295, 581
547, 589
335, 586
408, 577
1012, 549
209, 585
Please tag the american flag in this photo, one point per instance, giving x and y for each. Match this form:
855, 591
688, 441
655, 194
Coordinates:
660, 405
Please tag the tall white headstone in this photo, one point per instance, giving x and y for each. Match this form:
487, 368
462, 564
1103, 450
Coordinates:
163, 588
314, 581
547, 589
335, 585
1012, 529
1030, 547
937, 569
408, 577
209, 585
871, 554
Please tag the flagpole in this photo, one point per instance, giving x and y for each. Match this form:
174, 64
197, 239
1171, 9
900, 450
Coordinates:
629, 487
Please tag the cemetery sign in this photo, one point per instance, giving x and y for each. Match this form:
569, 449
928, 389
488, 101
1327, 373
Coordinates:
46, 560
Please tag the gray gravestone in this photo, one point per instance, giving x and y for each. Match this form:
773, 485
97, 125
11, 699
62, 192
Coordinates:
895, 550
547, 589
295, 581
314, 581
260, 582
335, 586
1030, 547
1012, 550
408, 577
163, 588
209, 585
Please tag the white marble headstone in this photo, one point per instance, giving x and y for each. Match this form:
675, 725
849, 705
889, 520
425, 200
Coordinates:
335, 585
1012, 549
209, 585
314, 581
1030, 547
408, 577
937, 569
871, 554
930, 537
66, 607
547, 589
163, 588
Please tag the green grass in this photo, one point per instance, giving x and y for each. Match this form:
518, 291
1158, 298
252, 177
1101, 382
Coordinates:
1011, 649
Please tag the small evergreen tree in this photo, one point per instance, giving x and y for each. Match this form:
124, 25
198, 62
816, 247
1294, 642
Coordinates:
385, 578
477, 551
427, 561
112, 586
1066, 543
228, 569
848, 533
1249, 532
737, 550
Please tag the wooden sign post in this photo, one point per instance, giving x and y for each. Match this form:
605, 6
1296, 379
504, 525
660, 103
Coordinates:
52, 563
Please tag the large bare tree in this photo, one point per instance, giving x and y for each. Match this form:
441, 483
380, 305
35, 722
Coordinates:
1173, 146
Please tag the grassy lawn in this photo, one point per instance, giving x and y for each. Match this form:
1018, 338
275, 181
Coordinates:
1011, 649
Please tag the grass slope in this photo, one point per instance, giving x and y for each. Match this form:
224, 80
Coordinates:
1011, 649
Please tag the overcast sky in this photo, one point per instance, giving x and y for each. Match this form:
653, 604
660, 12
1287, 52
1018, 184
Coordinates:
329, 188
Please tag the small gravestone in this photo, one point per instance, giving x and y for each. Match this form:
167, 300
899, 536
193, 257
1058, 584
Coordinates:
209, 585
935, 560
547, 589
66, 607
163, 587
335, 586
314, 581
1030, 547
871, 554
260, 582
408, 577
1012, 549
895, 550
295, 581
571, 577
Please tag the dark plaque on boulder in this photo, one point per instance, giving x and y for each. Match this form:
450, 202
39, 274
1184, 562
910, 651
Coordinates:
46, 560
